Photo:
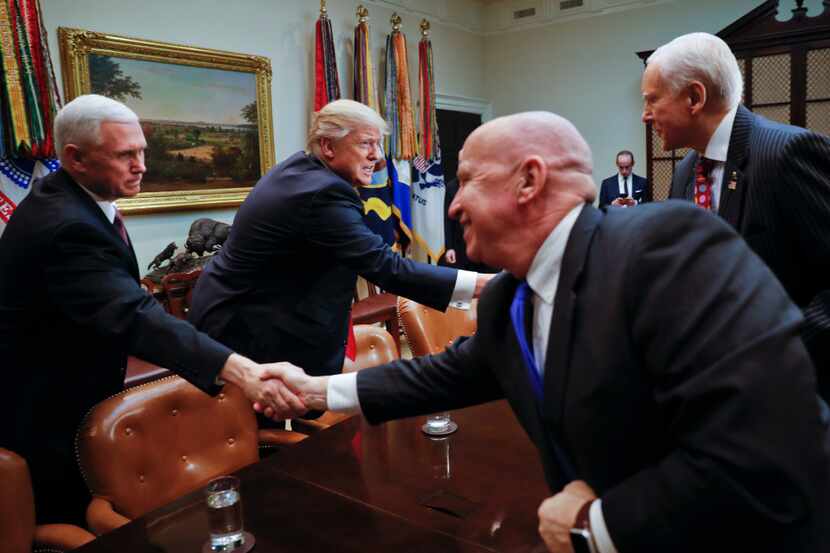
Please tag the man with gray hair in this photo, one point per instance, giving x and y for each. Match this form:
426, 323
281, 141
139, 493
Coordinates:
650, 356
282, 286
72, 310
770, 181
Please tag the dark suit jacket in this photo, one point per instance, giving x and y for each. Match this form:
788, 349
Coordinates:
674, 381
71, 310
282, 286
454, 237
781, 206
610, 190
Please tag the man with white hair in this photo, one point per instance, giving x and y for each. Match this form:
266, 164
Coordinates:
72, 310
650, 356
769, 181
282, 286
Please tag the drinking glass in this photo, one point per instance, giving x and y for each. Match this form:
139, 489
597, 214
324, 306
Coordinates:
224, 513
439, 424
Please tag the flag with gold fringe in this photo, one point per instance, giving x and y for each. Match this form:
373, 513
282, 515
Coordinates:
428, 174
326, 83
377, 197
402, 141
29, 102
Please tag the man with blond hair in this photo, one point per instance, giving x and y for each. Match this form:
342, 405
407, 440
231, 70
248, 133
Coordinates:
770, 181
282, 286
72, 308
650, 356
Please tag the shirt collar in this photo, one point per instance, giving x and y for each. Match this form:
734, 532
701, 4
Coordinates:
107, 207
543, 276
718, 145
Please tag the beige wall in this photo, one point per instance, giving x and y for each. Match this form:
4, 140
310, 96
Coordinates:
282, 30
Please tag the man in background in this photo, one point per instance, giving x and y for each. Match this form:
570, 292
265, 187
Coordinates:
624, 189
455, 254
770, 181
72, 310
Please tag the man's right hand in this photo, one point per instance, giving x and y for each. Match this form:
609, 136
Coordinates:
311, 390
261, 388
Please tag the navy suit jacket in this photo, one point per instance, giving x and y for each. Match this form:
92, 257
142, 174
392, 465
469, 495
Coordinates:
610, 190
282, 286
71, 310
675, 381
780, 204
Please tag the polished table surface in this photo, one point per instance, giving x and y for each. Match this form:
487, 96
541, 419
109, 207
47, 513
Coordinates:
356, 487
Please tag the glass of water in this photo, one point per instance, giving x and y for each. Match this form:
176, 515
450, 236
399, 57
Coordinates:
439, 424
224, 513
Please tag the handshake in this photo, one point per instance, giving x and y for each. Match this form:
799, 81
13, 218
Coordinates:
278, 390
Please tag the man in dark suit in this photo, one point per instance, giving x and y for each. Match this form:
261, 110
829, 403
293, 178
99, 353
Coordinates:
770, 181
281, 288
661, 378
71, 308
455, 249
625, 188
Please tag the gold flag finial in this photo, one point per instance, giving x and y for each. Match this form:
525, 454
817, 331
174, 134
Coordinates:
396, 22
323, 10
424, 28
362, 14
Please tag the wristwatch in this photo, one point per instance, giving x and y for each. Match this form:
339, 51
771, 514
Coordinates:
582, 539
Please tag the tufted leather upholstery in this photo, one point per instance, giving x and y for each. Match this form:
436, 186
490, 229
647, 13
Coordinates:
17, 514
150, 444
377, 307
429, 331
375, 346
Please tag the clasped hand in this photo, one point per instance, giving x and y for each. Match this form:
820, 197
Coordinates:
292, 382
557, 515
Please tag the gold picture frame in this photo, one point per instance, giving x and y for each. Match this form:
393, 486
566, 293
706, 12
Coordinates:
192, 164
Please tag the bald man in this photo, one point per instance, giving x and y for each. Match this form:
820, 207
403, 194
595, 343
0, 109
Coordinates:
651, 357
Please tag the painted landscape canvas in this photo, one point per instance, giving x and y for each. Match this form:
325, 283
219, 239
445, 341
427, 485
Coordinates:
200, 123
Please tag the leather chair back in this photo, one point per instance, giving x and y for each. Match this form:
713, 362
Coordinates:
178, 290
148, 445
17, 505
429, 331
375, 346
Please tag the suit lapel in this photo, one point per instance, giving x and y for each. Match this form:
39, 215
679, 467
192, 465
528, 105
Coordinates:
733, 185
96, 213
557, 360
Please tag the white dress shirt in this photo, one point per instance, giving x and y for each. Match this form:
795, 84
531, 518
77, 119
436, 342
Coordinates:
621, 182
107, 207
716, 150
543, 279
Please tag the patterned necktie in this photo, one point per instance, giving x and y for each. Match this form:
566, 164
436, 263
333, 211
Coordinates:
703, 182
118, 223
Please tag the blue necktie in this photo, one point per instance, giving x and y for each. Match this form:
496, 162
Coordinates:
517, 316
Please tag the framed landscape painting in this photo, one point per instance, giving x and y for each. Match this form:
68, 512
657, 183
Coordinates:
206, 114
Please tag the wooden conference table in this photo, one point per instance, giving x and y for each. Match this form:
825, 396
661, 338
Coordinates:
355, 487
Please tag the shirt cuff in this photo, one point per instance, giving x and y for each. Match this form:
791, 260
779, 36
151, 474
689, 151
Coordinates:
465, 287
601, 536
341, 393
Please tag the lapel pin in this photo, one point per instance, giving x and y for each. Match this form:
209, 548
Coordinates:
733, 181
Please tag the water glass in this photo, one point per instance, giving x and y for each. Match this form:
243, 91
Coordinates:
224, 513
439, 424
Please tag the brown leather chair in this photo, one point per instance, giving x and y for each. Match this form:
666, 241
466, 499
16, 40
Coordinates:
152, 443
429, 331
378, 307
375, 346
178, 290
18, 532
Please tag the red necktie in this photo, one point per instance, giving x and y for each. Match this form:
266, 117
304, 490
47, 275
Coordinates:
351, 343
119, 226
703, 182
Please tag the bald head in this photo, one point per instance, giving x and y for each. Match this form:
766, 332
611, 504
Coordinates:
521, 172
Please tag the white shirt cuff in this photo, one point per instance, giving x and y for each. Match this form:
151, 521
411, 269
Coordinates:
341, 393
599, 530
465, 287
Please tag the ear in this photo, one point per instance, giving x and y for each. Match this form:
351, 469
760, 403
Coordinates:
73, 159
327, 148
697, 97
534, 173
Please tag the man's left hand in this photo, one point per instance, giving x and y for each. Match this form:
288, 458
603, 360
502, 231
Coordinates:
557, 515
